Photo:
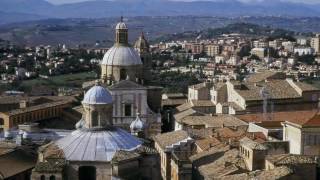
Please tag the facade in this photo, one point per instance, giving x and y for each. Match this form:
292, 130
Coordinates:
315, 44
260, 52
303, 135
165, 144
33, 109
199, 91
131, 98
123, 71
303, 51
213, 50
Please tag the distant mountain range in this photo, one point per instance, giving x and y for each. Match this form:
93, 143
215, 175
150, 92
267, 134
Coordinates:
25, 10
84, 31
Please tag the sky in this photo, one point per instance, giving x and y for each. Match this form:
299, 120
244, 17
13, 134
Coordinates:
72, 1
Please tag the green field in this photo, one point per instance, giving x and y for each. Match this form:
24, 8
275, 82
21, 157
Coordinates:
68, 80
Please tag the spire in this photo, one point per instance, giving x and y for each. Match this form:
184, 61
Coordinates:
137, 125
121, 18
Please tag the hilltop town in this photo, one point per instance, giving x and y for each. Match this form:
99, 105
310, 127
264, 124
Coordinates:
240, 102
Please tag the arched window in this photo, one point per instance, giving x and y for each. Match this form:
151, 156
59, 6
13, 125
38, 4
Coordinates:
1, 121
94, 118
123, 74
42, 177
52, 177
87, 173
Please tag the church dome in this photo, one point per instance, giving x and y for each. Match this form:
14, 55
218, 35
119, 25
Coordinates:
97, 95
142, 43
121, 56
83, 145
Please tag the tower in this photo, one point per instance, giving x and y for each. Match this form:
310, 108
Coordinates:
143, 48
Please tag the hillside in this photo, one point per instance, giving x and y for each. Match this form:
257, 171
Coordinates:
130, 8
89, 31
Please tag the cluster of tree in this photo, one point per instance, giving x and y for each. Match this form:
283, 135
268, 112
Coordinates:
174, 81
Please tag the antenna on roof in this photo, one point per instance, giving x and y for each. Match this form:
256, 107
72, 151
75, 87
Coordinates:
265, 96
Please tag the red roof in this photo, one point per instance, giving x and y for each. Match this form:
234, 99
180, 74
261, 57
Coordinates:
309, 118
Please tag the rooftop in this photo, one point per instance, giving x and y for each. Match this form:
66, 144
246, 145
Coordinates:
265, 75
100, 145
290, 159
277, 89
16, 162
170, 138
126, 84
213, 121
293, 116
252, 144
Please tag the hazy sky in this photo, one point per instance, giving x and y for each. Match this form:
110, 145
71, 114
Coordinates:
71, 1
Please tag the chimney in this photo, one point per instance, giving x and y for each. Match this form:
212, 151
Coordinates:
23, 104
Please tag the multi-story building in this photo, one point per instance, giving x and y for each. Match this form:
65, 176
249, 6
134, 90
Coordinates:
315, 44
303, 134
260, 52
167, 143
303, 51
33, 109
199, 91
213, 50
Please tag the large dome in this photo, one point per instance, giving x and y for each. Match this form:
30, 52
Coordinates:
83, 145
121, 56
97, 95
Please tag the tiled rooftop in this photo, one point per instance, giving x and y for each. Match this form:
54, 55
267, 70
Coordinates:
167, 139
290, 159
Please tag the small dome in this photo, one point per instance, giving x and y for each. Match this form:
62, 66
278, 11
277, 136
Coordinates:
121, 25
97, 95
142, 43
121, 56
136, 125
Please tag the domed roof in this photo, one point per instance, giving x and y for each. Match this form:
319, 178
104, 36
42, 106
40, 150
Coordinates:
121, 56
97, 95
83, 145
136, 125
121, 25
142, 43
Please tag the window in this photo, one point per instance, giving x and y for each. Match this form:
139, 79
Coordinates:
127, 109
94, 118
42, 177
52, 177
123, 74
